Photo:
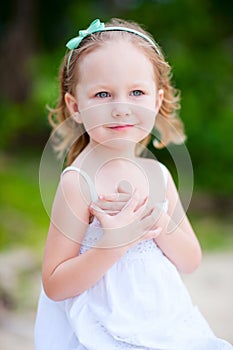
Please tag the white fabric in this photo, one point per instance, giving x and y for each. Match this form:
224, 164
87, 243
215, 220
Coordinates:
94, 195
140, 303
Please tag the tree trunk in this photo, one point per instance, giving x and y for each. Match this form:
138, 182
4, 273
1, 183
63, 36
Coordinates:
16, 49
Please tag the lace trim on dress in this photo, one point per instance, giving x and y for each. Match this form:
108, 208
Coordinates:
143, 248
120, 344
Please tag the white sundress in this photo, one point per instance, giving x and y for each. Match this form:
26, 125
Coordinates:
141, 303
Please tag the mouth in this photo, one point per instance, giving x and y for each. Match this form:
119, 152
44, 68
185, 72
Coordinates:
121, 126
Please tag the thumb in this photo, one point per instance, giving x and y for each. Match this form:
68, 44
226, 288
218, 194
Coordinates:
96, 211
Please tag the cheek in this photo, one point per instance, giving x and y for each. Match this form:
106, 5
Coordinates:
143, 131
92, 126
147, 119
93, 118
97, 134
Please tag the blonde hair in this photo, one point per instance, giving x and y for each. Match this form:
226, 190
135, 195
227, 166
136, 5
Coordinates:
70, 135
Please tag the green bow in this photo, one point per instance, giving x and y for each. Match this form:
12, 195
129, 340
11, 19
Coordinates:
95, 26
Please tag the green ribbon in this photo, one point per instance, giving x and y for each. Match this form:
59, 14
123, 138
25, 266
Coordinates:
95, 26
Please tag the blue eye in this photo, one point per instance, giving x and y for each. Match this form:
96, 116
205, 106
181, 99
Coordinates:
136, 93
103, 94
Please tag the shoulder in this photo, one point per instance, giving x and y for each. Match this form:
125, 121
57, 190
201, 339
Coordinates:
72, 199
74, 185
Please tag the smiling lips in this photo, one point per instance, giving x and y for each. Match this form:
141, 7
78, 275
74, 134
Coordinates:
120, 126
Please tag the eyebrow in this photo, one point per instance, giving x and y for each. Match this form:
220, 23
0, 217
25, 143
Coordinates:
141, 83
103, 86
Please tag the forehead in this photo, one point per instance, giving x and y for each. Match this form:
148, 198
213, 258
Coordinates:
118, 58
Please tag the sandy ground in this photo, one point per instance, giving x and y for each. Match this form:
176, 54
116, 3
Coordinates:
211, 288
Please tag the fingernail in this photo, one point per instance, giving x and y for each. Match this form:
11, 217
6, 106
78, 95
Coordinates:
96, 208
101, 196
92, 206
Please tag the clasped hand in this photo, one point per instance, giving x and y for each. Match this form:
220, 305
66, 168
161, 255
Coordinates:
126, 219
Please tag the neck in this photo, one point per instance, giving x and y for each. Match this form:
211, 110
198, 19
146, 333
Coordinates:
105, 152
95, 155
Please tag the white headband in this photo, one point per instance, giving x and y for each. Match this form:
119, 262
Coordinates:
97, 26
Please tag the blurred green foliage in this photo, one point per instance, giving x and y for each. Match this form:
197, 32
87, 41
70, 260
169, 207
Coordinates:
23, 218
196, 36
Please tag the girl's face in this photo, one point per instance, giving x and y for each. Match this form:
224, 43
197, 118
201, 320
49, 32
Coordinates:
116, 96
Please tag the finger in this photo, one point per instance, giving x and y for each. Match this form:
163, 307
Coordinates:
111, 205
142, 210
156, 212
116, 206
96, 211
114, 197
132, 204
149, 221
112, 212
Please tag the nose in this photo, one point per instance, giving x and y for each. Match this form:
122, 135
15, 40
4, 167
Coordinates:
121, 110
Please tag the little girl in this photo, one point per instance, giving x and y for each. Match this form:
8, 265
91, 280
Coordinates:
118, 235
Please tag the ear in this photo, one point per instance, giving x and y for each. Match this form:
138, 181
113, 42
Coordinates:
159, 99
72, 106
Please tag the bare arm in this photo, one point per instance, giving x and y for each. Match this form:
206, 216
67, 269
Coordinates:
177, 239
65, 273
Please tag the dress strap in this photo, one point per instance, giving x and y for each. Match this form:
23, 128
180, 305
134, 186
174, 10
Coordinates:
94, 195
164, 205
165, 174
